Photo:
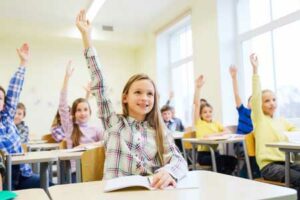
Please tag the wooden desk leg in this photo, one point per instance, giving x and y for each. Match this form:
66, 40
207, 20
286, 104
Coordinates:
194, 156
247, 161
78, 170
213, 158
8, 177
287, 168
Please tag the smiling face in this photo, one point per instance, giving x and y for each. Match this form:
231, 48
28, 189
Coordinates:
206, 112
269, 103
139, 99
81, 110
19, 116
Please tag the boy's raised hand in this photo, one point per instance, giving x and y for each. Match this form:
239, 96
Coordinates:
82, 23
199, 81
233, 71
23, 53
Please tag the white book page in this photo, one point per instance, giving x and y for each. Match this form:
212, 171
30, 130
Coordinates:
293, 136
127, 182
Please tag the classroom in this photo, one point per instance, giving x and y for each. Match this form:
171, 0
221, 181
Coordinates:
196, 96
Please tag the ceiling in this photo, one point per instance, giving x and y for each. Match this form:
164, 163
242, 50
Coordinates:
131, 19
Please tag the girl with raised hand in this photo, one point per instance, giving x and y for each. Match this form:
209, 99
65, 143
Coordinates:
206, 127
269, 129
136, 142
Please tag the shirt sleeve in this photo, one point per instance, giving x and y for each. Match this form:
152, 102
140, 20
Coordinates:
64, 113
13, 92
256, 100
105, 109
174, 163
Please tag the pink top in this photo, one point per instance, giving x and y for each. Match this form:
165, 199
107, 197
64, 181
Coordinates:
90, 133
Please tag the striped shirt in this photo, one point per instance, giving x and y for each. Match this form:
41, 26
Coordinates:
23, 132
58, 133
10, 141
245, 125
130, 145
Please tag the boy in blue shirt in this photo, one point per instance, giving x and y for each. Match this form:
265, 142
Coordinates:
245, 125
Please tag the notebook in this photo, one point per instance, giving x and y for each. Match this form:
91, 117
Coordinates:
7, 195
143, 182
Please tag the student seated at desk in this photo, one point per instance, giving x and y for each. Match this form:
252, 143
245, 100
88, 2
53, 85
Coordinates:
20, 124
166, 112
268, 129
135, 142
244, 126
75, 123
206, 126
10, 142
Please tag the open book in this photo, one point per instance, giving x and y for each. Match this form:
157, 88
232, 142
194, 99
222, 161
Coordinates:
221, 137
143, 182
293, 136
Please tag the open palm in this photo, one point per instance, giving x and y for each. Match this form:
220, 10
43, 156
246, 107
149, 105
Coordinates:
82, 23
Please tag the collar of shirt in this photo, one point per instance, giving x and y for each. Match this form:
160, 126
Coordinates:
140, 126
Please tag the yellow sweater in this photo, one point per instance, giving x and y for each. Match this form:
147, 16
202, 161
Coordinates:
204, 128
266, 129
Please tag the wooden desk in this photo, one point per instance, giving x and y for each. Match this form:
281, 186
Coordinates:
43, 157
209, 143
31, 194
211, 185
287, 148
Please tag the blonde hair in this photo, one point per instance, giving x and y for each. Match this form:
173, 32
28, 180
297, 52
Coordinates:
153, 117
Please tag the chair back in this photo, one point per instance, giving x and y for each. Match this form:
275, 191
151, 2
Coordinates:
48, 138
24, 147
250, 143
190, 134
63, 144
92, 164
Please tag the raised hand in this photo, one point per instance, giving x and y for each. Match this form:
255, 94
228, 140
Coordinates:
199, 81
254, 62
23, 53
233, 71
171, 95
69, 69
82, 23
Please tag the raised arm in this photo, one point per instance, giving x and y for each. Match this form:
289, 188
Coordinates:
63, 108
233, 74
198, 85
98, 88
88, 91
16, 82
256, 98
171, 96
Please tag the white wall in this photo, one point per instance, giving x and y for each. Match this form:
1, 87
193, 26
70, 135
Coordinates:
46, 70
205, 48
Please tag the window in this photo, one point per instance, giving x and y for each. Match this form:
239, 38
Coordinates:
175, 68
276, 41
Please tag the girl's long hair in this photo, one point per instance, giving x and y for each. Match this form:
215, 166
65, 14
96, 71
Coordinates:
153, 117
76, 134
56, 121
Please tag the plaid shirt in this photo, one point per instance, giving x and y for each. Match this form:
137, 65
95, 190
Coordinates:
10, 141
130, 145
58, 133
23, 132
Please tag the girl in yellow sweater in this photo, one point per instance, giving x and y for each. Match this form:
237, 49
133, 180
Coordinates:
206, 127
